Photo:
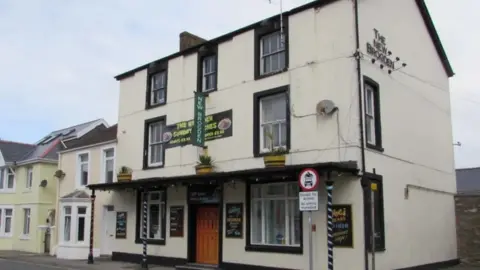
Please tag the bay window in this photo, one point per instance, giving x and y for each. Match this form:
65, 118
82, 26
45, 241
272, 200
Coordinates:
75, 218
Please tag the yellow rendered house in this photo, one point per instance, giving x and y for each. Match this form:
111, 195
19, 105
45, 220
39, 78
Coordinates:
28, 188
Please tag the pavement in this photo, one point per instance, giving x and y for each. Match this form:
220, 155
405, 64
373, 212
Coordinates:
16, 260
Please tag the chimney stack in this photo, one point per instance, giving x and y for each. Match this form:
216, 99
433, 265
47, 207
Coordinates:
188, 40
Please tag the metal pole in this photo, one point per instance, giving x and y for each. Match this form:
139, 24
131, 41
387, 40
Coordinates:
330, 224
144, 232
372, 220
92, 220
310, 242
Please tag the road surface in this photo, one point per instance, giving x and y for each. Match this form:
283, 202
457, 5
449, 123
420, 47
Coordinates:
19, 265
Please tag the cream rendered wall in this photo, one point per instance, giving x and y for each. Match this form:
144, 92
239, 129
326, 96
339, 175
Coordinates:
417, 137
318, 64
68, 164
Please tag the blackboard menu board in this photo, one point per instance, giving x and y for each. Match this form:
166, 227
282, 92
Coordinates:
342, 225
234, 220
176, 221
121, 225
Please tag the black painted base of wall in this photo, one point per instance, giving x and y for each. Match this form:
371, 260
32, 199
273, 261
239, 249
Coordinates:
434, 266
172, 262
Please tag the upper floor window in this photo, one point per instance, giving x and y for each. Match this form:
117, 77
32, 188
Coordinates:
6, 219
7, 179
209, 77
108, 165
373, 131
154, 152
158, 88
272, 120
29, 179
275, 219
272, 53
83, 169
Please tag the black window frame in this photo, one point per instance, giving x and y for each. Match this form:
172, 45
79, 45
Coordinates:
146, 136
205, 51
138, 221
155, 68
268, 248
379, 212
367, 81
265, 28
257, 97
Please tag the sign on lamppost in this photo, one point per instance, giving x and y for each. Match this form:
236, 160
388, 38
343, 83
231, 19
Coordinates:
198, 131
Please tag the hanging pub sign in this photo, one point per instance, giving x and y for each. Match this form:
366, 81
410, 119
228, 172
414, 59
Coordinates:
234, 220
342, 225
378, 49
217, 126
121, 225
198, 130
176, 221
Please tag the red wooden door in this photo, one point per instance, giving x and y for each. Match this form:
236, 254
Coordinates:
207, 235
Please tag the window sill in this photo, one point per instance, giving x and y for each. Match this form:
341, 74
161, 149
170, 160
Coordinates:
28, 190
80, 245
148, 106
206, 92
378, 148
159, 242
5, 236
153, 167
262, 154
24, 237
262, 76
7, 191
274, 249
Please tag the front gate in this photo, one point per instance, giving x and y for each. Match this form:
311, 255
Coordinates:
46, 242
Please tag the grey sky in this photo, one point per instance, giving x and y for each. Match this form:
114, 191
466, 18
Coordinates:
59, 57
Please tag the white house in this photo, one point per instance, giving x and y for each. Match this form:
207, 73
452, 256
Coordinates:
358, 94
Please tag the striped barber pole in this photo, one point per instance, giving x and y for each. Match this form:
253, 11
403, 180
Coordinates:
92, 221
330, 224
144, 232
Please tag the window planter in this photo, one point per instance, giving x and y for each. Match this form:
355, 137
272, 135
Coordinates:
274, 160
203, 169
124, 177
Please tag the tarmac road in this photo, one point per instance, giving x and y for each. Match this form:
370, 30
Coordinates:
6, 264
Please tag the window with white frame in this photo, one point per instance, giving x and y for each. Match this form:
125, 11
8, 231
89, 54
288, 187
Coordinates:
155, 143
2, 178
26, 221
29, 179
155, 215
373, 131
273, 122
81, 223
158, 87
108, 165
67, 223
209, 78
83, 166
6, 219
275, 216
272, 53
75, 223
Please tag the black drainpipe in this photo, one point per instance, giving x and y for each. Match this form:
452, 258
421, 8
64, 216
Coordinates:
362, 134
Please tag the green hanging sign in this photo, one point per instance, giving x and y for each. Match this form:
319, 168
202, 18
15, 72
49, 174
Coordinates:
198, 132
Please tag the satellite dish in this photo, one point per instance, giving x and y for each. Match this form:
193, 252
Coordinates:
43, 183
326, 107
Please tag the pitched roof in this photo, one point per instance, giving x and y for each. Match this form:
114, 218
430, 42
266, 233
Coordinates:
77, 194
97, 135
468, 180
314, 4
14, 151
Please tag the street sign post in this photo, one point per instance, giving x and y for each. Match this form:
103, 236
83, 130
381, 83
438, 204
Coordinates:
308, 201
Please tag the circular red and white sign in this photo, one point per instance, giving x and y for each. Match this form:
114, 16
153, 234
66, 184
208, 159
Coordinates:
308, 179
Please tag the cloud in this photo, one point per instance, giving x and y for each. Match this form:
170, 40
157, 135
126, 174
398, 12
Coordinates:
59, 57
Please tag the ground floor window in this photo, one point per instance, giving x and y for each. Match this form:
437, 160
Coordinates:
6, 219
275, 219
26, 221
74, 218
156, 220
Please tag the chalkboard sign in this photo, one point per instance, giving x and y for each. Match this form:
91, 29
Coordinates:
121, 225
342, 225
234, 220
176, 221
